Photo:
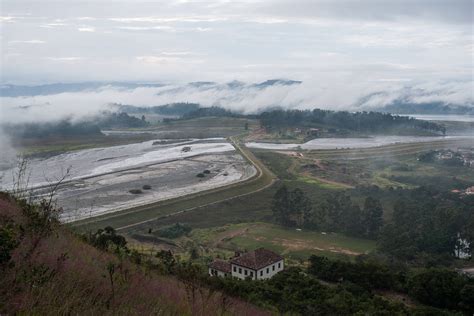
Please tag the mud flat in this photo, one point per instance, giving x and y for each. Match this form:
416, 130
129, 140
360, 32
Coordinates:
368, 142
104, 180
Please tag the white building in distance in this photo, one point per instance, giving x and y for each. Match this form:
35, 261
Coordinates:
258, 264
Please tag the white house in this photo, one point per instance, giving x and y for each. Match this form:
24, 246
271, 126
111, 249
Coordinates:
258, 264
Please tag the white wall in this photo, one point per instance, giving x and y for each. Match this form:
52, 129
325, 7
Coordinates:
239, 272
272, 270
219, 273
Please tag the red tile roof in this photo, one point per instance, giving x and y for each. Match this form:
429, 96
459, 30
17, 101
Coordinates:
220, 265
257, 259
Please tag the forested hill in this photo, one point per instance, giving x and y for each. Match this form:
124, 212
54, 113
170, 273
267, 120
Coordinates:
357, 121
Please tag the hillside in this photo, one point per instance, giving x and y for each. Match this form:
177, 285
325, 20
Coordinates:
47, 269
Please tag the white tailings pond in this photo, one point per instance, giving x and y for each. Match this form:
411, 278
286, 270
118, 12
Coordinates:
340, 143
100, 179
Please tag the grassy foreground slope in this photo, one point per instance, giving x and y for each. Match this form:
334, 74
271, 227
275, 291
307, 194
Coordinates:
45, 269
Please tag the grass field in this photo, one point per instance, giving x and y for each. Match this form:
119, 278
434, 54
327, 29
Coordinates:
295, 245
388, 166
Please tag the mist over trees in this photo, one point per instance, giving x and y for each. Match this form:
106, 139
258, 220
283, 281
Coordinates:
358, 121
69, 128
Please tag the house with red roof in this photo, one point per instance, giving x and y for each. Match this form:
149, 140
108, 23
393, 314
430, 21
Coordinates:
258, 264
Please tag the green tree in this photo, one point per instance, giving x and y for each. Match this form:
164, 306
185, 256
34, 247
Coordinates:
353, 221
373, 217
300, 206
437, 287
281, 206
339, 204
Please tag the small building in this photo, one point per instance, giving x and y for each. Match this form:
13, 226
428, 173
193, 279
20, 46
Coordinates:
258, 264
220, 268
469, 191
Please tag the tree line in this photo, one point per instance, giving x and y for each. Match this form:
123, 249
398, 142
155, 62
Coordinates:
336, 213
425, 223
355, 121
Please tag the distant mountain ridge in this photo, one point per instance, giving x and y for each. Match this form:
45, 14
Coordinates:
11, 90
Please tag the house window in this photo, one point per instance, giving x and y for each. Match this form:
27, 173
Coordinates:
251, 274
245, 271
273, 267
261, 273
279, 265
268, 270
235, 269
240, 270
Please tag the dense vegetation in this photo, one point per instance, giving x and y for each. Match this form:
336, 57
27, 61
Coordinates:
425, 223
213, 111
120, 120
353, 289
47, 270
436, 287
429, 222
336, 213
358, 121
64, 128
173, 109
426, 108
68, 128
174, 231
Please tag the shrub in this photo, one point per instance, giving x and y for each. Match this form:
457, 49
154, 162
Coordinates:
206, 171
174, 231
200, 175
136, 191
146, 187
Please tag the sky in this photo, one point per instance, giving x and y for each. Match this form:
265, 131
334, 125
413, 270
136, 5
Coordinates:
349, 54
317, 41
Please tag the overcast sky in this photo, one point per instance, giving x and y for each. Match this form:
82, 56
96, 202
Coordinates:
182, 41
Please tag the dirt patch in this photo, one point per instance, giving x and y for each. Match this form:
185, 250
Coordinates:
227, 235
345, 185
397, 297
301, 244
256, 134
295, 244
344, 251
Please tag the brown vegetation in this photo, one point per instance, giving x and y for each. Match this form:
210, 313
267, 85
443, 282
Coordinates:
49, 270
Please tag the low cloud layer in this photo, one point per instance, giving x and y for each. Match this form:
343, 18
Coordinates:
237, 96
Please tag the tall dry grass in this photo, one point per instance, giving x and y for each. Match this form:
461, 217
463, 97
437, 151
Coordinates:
58, 274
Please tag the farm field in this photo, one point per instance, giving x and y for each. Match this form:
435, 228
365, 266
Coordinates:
218, 209
295, 245
388, 166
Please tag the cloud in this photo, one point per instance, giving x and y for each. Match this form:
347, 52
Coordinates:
157, 59
27, 42
245, 40
454, 11
334, 93
64, 58
147, 28
8, 19
52, 25
155, 19
86, 29
176, 53
203, 29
